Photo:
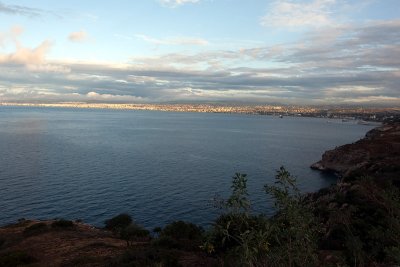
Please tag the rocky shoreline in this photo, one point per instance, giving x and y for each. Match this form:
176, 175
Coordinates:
376, 155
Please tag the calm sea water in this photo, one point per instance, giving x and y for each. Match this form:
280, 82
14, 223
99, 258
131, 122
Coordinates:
157, 166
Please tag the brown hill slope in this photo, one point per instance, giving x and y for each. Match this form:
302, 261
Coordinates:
377, 155
38, 243
66, 244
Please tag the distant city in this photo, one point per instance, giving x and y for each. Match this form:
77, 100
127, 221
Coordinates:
361, 114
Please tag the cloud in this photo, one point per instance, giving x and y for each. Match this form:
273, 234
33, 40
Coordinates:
370, 46
113, 98
26, 11
39, 94
175, 3
11, 35
26, 56
173, 41
43, 68
32, 59
343, 64
289, 13
79, 36
21, 10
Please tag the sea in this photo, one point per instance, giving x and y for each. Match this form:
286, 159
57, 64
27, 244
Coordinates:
159, 167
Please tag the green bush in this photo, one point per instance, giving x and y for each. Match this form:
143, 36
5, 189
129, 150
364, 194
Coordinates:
182, 230
289, 238
63, 224
375, 221
134, 232
35, 229
392, 255
118, 222
362, 220
232, 230
242, 237
157, 231
295, 228
183, 235
166, 242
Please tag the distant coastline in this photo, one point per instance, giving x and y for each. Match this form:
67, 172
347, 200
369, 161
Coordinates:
345, 113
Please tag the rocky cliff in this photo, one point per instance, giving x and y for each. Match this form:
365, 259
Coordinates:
376, 155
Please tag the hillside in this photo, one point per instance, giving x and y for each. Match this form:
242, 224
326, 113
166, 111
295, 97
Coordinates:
65, 243
376, 155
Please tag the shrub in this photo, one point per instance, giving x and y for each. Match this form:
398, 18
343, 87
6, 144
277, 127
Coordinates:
233, 230
374, 222
362, 220
157, 231
287, 239
183, 235
241, 236
35, 229
182, 230
295, 228
134, 232
392, 255
62, 224
118, 222
166, 242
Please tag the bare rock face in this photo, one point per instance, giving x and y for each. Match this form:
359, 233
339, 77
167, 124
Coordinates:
377, 155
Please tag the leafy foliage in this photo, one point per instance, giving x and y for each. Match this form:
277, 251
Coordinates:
182, 230
295, 228
35, 229
238, 202
287, 239
157, 230
362, 218
125, 228
118, 222
62, 224
134, 232
180, 235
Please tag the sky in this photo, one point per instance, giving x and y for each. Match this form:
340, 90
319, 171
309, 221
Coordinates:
301, 52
